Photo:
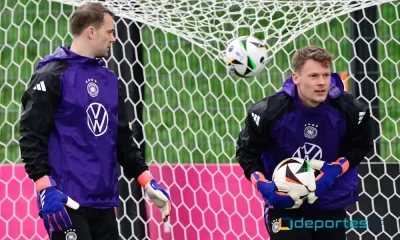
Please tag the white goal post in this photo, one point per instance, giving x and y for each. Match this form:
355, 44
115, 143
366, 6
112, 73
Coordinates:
170, 55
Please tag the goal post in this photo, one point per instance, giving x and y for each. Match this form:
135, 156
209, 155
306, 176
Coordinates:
126, 62
365, 65
190, 108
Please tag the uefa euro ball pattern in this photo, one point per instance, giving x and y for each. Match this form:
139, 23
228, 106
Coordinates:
297, 173
246, 56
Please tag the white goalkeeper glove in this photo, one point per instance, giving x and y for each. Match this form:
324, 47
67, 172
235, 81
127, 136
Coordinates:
156, 193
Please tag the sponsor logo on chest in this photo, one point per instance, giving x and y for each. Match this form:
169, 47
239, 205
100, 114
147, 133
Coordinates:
96, 113
97, 119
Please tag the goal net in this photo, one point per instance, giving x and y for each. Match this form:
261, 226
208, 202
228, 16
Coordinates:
170, 55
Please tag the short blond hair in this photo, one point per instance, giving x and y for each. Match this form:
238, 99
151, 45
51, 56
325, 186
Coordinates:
315, 53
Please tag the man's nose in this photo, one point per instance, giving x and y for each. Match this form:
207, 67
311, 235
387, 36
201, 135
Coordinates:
321, 80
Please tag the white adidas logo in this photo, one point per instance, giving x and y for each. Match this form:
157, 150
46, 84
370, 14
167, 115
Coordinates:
360, 116
40, 87
256, 118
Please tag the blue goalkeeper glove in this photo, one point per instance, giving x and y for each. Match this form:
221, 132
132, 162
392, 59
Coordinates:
156, 193
329, 172
51, 205
278, 194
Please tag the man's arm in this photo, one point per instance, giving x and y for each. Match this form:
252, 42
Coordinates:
128, 153
40, 102
359, 140
253, 139
131, 159
356, 145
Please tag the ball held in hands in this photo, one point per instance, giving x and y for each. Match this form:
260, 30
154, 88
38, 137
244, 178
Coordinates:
297, 174
328, 172
277, 194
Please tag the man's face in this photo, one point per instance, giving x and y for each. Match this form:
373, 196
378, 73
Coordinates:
104, 37
313, 82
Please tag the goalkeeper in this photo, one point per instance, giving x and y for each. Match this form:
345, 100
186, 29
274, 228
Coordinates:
74, 132
313, 118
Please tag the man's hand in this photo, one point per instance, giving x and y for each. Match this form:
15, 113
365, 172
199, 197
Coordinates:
327, 176
156, 193
278, 194
51, 205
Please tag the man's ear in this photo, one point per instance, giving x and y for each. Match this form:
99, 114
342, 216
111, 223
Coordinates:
91, 32
295, 77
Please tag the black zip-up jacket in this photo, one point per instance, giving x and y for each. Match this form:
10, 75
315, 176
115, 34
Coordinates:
280, 127
74, 128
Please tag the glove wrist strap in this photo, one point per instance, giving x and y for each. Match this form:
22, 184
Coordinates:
256, 177
144, 178
44, 182
344, 164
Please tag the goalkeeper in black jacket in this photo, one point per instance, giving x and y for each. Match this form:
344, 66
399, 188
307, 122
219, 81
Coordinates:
312, 118
75, 131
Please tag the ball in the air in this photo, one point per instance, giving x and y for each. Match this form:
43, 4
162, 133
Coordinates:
297, 173
246, 56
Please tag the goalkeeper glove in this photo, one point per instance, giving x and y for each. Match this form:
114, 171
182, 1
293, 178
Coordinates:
278, 194
156, 194
51, 205
327, 176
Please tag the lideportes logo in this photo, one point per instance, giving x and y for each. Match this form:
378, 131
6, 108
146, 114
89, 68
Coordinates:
287, 224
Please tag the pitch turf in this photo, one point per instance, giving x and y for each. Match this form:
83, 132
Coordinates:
193, 110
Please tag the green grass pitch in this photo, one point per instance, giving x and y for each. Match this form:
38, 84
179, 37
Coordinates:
193, 111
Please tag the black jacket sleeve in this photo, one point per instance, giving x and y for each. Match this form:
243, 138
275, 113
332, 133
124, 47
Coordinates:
129, 155
358, 141
254, 138
40, 102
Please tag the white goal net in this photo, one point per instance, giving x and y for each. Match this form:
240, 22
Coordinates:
170, 55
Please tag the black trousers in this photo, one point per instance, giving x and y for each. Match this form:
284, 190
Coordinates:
90, 224
293, 224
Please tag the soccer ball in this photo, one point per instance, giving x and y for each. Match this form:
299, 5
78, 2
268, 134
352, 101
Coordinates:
246, 56
297, 173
